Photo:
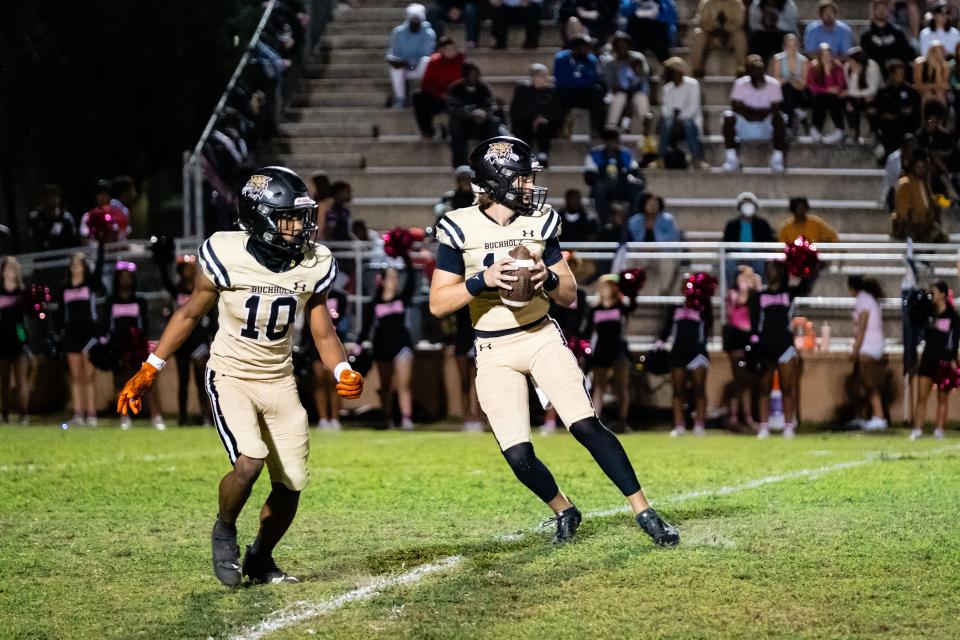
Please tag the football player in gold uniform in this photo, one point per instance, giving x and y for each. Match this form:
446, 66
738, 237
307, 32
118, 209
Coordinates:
261, 277
513, 342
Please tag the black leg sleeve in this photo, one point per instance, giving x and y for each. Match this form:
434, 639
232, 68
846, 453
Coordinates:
608, 452
531, 472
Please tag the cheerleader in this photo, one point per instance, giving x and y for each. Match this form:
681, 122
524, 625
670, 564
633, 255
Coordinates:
736, 337
324, 384
78, 325
609, 356
127, 328
939, 351
14, 354
771, 310
688, 328
195, 351
385, 323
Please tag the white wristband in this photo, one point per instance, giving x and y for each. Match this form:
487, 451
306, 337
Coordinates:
340, 368
156, 362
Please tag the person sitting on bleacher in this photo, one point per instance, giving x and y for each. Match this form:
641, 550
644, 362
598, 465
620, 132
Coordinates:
863, 83
576, 73
652, 25
789, 67
940, 29
445, 68
720, 23
681, 114
755, 116
474, 114
769, 21
460, 197
826, 82
898, 109
503, 13
613, 175
598, 16
627, 76
915, 213
803, 223
579, 224
411, 45
884, 41
829, 29
536, 112
442, 12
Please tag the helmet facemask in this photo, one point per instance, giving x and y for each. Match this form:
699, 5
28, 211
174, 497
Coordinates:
525, 200
288, 241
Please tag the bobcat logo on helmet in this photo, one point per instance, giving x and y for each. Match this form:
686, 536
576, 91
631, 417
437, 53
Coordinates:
256, 186
500, 152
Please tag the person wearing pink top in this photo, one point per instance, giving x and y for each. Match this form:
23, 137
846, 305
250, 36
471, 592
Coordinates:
827, 84
736, 337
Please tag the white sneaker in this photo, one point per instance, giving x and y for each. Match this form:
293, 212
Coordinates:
92, 421
763, 433
815, 135
731, 164
407, 424
335, 425
548, 429
159, 424
323, 424
776, 163
833, 137
916, 434
77, 420
789, 433
475, 426
125, 422
875, 424
699, 430
677, 431
938, 433
857, 423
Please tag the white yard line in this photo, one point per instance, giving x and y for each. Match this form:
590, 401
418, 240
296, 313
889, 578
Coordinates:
303, 610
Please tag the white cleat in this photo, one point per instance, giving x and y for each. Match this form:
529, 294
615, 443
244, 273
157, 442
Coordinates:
938, 433
159, 424
678, 431
916, 434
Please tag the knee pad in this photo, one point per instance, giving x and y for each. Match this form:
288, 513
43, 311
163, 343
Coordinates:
520, 457
531, 472
584, 429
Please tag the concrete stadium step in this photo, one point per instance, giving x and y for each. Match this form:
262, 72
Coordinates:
851, 184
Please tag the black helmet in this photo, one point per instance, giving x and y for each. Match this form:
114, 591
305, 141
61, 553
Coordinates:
270, 194
497, 162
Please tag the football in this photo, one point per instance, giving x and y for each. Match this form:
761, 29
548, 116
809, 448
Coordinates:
523, 291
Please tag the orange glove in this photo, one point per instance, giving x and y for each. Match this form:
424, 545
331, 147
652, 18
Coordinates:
136, 386
350, 385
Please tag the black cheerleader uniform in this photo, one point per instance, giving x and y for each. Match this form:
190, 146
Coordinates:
940, 341
386, 321
689, 329
127, 326
79, 321
770, 316
605, 327
13, 331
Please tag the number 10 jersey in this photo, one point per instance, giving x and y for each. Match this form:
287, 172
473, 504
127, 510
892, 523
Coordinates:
257, 306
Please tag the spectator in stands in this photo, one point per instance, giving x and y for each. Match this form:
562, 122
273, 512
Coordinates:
462, 194
769, 21
803, 223
474, 114
443, 12
104, 222
503, 13
578, 81
411, 46
653, 223
627, 76
652, 25
756, 101
15, 358
893, 169
827, 82
445, 68
719, 24
863, 83
898, 109
790, 68
124, 192
598, 16
931, 74
941, 146
572, 29
747, 226
906, 14
884, 41
319, 188
868, 366
940, 29
612, 174
681, 114
339, 220
578, 224
915, 213
828, 29
50, 226
536, 112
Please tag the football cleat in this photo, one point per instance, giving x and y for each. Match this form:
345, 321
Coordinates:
567, 522
263, 570
226, 555
662, 533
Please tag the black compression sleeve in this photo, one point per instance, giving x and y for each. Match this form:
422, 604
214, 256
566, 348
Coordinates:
608, 452
531, 472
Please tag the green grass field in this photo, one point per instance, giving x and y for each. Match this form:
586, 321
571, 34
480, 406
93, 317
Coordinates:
105, 534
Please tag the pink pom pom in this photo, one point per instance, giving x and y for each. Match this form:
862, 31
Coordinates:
631, 281
801, 258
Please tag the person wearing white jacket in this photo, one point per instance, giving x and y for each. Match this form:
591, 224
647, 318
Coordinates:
681, 113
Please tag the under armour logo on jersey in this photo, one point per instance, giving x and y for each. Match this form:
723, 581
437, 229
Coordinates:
481, 347
299, 286
526, 232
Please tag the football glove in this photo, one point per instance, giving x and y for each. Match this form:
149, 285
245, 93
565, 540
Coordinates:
136, 386
350, 385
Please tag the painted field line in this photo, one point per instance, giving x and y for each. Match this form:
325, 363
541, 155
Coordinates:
303, 610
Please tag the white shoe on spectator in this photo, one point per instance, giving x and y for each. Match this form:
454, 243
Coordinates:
406, 424
763, 433
335, 425
323, 424
789, 431
857, 423
549, 428
77, 420
732, 163
916, 434
776, 162
699, 430
875, 423
125, 422
815, 135
92, 421
938, 433
833, 137
473, 426
679, 430
159, 424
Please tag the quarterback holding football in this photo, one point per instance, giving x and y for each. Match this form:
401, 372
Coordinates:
502, 257
261, 277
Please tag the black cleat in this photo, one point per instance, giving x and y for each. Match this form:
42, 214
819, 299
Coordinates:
263, 570
662, 534
226, 555
567, 522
